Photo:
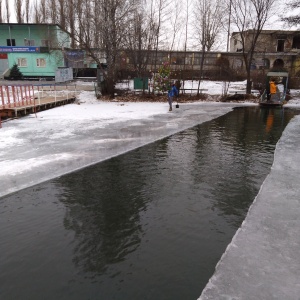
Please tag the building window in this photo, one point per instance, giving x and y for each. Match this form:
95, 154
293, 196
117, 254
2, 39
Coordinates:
188, 60
22, 62
266, 63
296, 42
280, 45
28, 42
11, 42
41, 62
237, 64
45, 43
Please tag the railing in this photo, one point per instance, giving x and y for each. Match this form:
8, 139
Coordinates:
183, 90
28, 95
14, 96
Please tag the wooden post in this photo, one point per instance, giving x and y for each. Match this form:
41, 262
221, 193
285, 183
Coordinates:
34, 107
2, 97
8, 98
25, 91
22, 97
13, 89
39, 95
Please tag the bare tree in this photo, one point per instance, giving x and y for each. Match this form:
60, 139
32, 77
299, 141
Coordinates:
27, 11
115, 17
293, 20
176, 22
187, 9
209, 20
1, 14
19, 12
36, 13
160, 11
71, 20
102, 32
42, 11
250, 16
140, 39
53, 13
7, 11
62, 14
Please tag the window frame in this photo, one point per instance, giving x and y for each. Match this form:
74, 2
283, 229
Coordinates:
280, 45
45, 43
38, 62
29, 43
11, 42
20, 62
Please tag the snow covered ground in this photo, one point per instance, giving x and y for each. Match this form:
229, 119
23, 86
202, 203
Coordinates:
67, 138
63, 139
262, 260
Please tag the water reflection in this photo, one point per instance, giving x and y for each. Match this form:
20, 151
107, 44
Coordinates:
223, 161
245, 153
104, 203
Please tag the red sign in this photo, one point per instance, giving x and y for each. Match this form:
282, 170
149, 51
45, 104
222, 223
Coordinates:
3, 55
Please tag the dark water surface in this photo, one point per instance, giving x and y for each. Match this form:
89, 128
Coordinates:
149, 224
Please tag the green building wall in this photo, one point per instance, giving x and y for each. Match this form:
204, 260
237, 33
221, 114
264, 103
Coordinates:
51, 51
36, 32
54, 59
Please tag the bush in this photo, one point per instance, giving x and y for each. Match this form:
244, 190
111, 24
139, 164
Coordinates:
15, 73
161, 80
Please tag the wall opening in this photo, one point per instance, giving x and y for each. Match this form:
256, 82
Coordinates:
280, 45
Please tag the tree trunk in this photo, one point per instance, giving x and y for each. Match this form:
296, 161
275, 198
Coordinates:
249, 84
201, 70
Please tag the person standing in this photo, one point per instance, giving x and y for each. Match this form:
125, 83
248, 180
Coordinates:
171, 94
178, 85
273, 88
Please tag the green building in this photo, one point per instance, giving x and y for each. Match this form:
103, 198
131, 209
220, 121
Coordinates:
37, 49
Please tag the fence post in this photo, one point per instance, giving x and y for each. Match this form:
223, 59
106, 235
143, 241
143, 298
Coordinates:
26, 95
22, 97
14, 95
39, 97
31, 94
19, 100
7, 93
2, 97
2, 100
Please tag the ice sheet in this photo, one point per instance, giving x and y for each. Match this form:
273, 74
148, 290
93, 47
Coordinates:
67, 138
262, 261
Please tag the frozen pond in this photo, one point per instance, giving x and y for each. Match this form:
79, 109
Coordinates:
149, 224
